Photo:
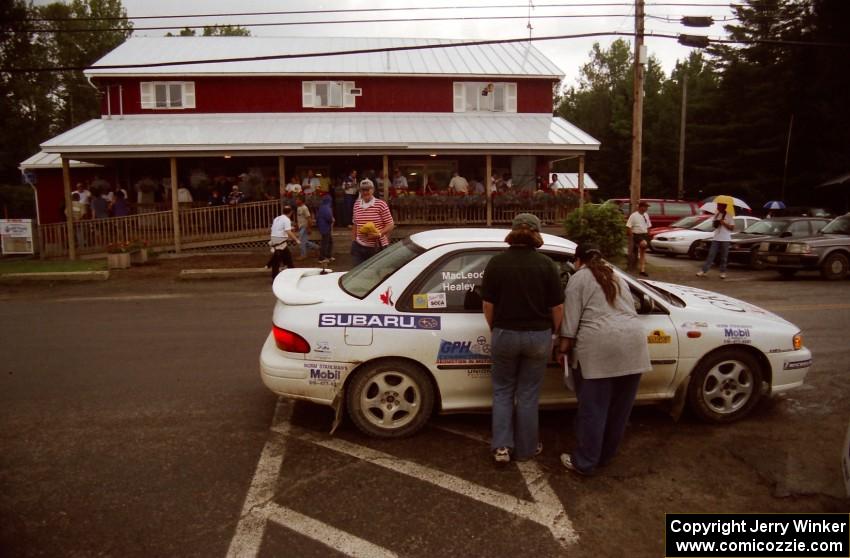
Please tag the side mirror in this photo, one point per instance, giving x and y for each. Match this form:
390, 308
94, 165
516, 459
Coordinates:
786, 234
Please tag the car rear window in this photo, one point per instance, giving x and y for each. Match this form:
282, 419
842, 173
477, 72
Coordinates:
674, 209
361, 280
839, 225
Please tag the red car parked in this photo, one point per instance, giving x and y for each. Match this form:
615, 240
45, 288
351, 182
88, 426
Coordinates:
662, 212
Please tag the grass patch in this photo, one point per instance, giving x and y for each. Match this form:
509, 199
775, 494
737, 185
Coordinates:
30, 265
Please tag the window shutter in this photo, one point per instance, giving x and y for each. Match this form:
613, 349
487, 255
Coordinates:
459, 97
307, 94
510, 97
147, 95
348, 99
189, 94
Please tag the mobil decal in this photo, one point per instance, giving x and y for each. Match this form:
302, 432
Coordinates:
382, 321
325, 374
736, 334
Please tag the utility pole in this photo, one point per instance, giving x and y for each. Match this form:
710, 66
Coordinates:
680, 191
787, 152
637, 118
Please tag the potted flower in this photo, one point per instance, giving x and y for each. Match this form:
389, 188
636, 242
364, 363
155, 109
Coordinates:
118, 255
139, 251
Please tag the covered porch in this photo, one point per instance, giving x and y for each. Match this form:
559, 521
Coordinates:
207, 152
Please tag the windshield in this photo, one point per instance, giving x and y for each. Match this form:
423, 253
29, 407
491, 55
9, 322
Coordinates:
704, 226
687, 222
362, 279
768, 226
839, 225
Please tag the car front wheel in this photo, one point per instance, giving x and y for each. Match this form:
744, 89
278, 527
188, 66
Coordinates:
692, 251
390, 399
834, 267
755, 262
725, 386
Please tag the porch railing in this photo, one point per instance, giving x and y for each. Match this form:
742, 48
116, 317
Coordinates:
209, 224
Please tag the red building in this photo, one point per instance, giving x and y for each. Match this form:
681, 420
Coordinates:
190, 110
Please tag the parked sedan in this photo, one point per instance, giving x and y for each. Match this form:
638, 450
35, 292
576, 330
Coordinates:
827, 252
682, 242
745, 244
402, 335
688, 222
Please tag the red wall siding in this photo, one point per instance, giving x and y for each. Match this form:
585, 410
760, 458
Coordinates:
51, 196
283, 94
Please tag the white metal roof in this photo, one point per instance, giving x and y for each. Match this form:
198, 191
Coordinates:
388, 132
569, 180
42, 160
504, 60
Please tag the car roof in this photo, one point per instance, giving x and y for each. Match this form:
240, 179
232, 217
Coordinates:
439, 237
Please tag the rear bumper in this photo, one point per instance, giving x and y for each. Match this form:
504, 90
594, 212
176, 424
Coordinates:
297, 378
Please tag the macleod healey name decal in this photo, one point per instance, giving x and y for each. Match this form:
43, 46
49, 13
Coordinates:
385, 321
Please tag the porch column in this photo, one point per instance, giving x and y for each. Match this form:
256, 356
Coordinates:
581, 181
488, 187
386, 178
175, 207
69, 209
281, 172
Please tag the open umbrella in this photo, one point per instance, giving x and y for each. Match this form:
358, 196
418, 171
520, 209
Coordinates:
731, 204
774, 205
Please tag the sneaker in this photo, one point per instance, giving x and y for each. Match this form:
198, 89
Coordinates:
723, 276
700, 273
324, 261
501, 456
643, 274
567, 462
333, 259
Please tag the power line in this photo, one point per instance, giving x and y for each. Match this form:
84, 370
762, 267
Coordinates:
362, 10
314, 22
412, 47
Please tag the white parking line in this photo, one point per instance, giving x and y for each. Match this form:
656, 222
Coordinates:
259, 507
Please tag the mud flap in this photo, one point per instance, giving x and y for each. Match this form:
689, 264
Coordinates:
337, 406
677, 404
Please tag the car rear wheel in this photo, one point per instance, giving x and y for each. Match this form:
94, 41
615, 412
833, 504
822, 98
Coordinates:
755, 262
725, 386
390, 399
834, 267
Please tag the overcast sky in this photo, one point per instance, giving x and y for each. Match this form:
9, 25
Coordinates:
568, 54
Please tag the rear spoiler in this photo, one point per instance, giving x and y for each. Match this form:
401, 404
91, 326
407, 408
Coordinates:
285, 287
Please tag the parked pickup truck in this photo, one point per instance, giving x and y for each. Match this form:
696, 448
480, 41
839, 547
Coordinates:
827, 252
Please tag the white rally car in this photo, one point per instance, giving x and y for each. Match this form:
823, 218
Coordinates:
403, 335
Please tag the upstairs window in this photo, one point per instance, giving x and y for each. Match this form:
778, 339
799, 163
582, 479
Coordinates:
329, 94
168, 94
482, 96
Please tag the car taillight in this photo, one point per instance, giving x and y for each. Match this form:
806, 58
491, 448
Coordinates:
289, 341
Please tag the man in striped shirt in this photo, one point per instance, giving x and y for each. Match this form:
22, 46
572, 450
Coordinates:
368, 240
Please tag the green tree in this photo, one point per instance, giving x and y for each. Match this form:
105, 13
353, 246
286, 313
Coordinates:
214, 31
80, 43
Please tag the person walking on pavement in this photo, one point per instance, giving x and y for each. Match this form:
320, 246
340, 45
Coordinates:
281, 236
523, 305
605, 345
723, 224
305, 220
638, 226
325, 222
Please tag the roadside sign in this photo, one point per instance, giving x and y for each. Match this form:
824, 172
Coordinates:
16, 236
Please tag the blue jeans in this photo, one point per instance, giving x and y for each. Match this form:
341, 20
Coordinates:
348, 208
327, 246
519, 362
723, 249
306, 243
604, 406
